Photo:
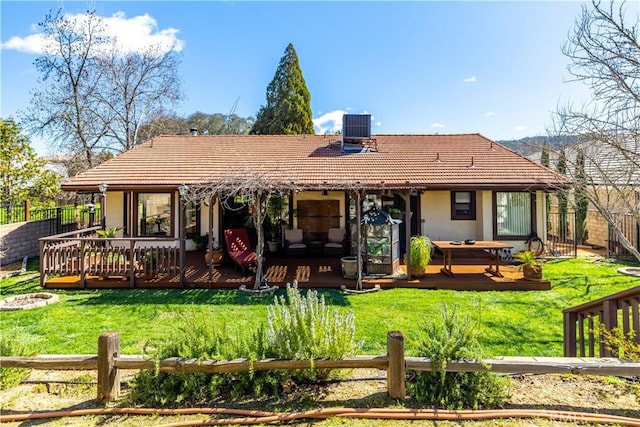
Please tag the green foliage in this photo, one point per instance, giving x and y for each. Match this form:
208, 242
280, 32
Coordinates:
581, 199
23, 173
563, 198
528, 258
620, 344
200, 337
304, 327
11, 345
449, 338
288, 108
420, 248
109, 233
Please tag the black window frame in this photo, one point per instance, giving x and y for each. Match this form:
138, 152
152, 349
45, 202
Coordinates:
471, 216
532, 213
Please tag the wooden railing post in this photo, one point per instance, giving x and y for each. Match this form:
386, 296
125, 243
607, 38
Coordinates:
396, 370
108, 374
569, 334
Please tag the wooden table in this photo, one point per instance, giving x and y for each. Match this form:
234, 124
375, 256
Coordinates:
448, 248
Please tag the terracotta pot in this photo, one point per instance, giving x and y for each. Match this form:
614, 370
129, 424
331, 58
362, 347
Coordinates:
217, 257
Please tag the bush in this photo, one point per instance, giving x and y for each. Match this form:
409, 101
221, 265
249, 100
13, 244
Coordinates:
454, 338
303, 327
621, 345
197, 336
11, 346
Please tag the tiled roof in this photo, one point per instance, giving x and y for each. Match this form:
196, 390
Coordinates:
316, 161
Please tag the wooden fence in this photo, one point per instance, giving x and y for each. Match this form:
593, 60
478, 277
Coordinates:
108, 362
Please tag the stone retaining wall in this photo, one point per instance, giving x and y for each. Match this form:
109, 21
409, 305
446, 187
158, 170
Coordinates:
21, 239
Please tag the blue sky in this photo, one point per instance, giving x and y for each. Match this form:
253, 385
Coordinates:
418, 67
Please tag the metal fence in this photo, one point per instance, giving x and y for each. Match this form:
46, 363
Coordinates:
627, 224
561, 234
62, 219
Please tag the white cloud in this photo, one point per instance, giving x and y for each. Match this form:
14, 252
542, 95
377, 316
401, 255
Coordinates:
471, 79
329, 122
437, 125
378, 123
489, 114
30, 44
134, 34
520, 128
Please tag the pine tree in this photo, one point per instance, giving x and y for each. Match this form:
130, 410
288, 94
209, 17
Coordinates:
288, 108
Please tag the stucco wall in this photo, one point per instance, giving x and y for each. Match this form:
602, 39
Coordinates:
437, 225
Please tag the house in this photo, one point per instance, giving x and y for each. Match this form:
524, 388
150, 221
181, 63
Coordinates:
448, 187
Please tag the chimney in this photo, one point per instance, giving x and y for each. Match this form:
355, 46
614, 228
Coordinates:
193, 132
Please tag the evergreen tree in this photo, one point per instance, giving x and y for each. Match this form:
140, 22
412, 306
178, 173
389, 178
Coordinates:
563, 226
545, 161
581, 200
288, 108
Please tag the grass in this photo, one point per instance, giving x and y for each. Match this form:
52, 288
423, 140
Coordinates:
511, 323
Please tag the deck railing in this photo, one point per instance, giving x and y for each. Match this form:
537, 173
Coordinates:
582, 335
82, 253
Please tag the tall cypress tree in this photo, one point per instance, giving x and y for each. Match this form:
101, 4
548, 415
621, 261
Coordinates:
288, 108
545, 161
563, 225
582, 202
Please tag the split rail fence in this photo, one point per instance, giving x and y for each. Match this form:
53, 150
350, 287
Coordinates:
108, 362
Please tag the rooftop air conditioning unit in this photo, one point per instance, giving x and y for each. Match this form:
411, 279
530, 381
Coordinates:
356, 127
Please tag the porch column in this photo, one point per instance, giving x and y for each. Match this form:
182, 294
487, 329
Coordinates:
181, 237
212, 200
406, 196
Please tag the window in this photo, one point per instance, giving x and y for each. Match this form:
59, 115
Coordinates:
463, 205
192, 216
514, 214
154, 214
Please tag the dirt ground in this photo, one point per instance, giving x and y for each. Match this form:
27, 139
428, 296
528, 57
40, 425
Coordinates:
364, 389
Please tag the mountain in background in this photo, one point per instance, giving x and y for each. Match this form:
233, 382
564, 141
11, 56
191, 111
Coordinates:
533, 144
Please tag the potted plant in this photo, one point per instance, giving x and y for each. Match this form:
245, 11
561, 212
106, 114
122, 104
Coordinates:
421, 249
530, 265
201, 242
275, 207
395, 213
218, 255
152, 260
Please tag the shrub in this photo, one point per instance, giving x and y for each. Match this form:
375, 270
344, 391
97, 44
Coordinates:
621, 345
11, 346
454, 338
198, 336
303, 327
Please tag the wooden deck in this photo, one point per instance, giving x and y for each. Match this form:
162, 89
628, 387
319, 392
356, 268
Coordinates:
318, 272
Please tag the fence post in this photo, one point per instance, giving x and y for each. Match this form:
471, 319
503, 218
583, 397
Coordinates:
27, 209
108, 374
396, 369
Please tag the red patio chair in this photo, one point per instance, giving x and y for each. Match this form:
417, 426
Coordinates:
239, 248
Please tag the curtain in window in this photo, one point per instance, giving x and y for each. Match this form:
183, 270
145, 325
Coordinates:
513, 213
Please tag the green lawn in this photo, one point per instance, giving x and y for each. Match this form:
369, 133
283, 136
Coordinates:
511, 323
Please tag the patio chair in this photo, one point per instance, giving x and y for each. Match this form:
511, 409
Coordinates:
239, 248
294, 242
335, 242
